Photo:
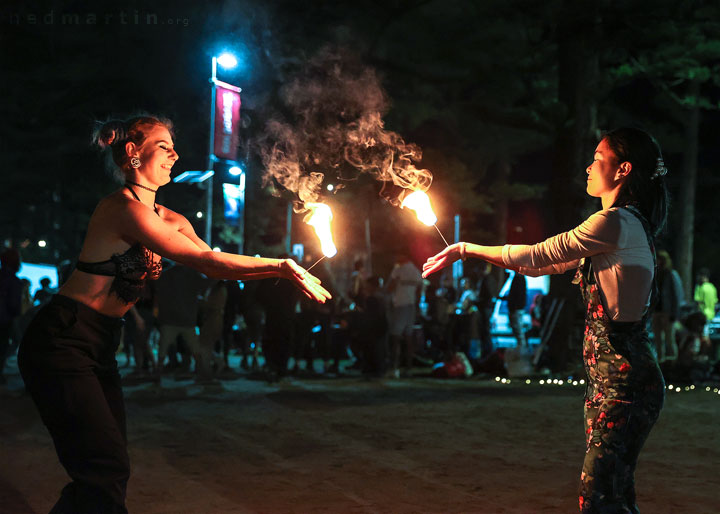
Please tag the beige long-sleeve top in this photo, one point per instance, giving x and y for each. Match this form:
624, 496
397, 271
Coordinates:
622, 259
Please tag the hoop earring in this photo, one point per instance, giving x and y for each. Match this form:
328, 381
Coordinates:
135, 162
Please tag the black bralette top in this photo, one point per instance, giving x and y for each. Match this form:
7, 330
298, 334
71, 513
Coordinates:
131, 269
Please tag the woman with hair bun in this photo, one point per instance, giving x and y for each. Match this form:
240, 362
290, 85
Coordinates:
67, 357
614, 254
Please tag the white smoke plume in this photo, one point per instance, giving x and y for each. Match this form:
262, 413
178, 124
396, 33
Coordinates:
331, 122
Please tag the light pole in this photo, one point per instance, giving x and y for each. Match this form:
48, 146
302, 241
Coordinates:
227, 61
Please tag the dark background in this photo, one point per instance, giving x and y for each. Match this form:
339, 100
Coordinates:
507, 99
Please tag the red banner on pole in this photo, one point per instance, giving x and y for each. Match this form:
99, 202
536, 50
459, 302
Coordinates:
227, 121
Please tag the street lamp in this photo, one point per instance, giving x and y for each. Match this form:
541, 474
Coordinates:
227, 61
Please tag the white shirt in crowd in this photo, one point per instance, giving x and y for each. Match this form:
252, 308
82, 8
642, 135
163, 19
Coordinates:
407, 279
621, 257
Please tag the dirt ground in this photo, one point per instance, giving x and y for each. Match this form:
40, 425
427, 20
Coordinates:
350, 445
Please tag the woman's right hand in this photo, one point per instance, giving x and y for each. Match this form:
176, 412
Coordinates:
305, 281
442, 259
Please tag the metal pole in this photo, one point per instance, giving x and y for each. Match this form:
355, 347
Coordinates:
211, 158
457, 265
241, 225
288, 228
368, 245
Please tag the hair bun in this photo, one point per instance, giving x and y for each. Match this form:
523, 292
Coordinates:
110, 133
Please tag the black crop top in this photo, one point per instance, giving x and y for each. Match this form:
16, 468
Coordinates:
131, 269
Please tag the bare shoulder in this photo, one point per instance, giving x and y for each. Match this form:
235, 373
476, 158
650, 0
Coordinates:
117, 206
175, 219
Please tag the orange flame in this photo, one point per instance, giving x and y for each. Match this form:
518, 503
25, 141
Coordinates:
319, 218
420, 203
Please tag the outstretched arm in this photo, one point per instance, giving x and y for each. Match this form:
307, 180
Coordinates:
454, 252
138, 222
600, 233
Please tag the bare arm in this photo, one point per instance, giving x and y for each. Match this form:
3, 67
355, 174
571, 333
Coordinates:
138, 222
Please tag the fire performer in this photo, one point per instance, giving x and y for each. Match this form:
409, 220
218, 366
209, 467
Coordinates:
613, 251
67, 358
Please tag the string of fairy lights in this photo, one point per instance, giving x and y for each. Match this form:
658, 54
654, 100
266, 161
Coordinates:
574, 383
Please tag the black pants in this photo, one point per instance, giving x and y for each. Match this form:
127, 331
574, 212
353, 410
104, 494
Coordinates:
67, 360
486, 343
5, 329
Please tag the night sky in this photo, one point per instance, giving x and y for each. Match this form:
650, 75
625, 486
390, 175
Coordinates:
491, 92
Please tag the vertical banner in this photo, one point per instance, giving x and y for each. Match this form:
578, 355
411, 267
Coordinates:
227, 121
234, 202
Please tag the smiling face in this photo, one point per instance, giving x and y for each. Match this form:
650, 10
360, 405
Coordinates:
603, 177
157, 156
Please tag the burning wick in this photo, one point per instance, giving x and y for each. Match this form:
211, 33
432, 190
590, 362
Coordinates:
319, 218
420, 203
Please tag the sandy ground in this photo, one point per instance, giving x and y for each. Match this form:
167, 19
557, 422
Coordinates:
349, 445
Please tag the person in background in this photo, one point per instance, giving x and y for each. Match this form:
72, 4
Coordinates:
43, 295
706, 293
466, 316
358, 280
139, 325
441, 325
404, 288
485, 301
280, 302
10, 301
352, 316
667, 309
211, 331
26, 302
254, 317
373, 328
20, 323
517, 300
231, 320
178, 293
468, 297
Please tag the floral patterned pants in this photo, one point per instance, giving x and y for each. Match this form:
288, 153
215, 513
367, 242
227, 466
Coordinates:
623, 400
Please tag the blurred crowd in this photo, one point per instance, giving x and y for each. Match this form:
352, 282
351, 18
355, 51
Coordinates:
188, 326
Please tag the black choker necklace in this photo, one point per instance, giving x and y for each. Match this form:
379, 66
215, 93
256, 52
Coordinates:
140, 186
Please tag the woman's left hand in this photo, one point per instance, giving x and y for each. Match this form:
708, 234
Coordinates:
442, 259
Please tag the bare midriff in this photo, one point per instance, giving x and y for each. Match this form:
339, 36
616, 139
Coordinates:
94, 291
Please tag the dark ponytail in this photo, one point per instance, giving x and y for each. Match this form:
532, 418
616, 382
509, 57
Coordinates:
645, 186
112, 135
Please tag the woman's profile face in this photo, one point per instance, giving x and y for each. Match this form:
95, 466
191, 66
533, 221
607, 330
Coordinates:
157, 155
602, 172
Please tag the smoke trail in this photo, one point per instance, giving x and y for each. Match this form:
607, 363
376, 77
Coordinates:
332, 123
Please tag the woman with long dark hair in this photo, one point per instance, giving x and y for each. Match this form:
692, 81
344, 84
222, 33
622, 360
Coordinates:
614, 254
67, 357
